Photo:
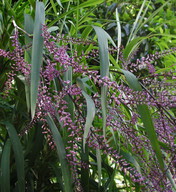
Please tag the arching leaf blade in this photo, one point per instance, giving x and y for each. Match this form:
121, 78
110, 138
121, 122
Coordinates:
89, 117
90, 112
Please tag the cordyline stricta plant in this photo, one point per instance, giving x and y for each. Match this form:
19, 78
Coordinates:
105, 127
139, 138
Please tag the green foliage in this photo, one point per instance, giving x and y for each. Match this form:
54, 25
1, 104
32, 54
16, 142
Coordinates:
37, 54
61, 154
28, 161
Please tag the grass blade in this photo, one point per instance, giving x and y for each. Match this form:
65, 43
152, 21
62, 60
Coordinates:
61, 154
19, 157
37, 53
5, 167
146, 118
89, 3
140, 20
152, 15
59, 2
136, 22
54, 7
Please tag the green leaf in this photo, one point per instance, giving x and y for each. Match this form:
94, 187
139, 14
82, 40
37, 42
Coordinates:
132, 81
130, 158
28, 27
90, 112
152, 15
19, 157
88, 3
5, 167
98, 155
89, 117
53, 28
150, 130
119, 38
85, 171
68, 77
37, 54
103, 38
61, 154
146, 118
171, 178
142, 17
132, 46
59, 2
54, 7
135, 24
135, 43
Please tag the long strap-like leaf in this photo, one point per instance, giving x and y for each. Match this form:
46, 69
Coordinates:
61, 154
103, 38
146, 118
37, 54
90, 112
19, 157
5, 167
